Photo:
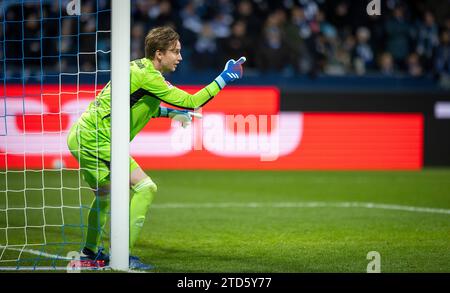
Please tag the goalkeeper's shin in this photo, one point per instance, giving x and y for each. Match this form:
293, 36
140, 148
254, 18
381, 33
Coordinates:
98, 215
144, 192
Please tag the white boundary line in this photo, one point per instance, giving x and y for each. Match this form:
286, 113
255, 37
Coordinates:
307, 204
37, 252
50, 268
41, 268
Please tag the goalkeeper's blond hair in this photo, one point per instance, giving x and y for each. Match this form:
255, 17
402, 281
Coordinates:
160, 38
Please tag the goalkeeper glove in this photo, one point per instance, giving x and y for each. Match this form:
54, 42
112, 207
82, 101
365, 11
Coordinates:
183, 116
233, 70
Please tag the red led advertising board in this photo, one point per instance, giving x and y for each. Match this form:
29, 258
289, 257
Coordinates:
242, 128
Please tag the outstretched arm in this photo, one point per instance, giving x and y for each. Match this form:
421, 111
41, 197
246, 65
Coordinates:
160, 89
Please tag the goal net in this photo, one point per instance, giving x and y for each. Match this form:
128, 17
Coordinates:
54, 58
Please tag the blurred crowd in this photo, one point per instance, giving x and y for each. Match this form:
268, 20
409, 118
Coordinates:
309, 37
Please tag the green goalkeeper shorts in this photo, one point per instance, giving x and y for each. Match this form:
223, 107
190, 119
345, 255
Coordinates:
93, 155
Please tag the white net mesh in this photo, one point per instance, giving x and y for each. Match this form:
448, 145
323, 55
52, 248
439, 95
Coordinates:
51, 66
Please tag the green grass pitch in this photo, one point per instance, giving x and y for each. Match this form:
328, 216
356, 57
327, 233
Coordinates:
251, 221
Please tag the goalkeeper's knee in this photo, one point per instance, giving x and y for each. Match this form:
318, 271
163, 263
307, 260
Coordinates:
145, 184
144, 192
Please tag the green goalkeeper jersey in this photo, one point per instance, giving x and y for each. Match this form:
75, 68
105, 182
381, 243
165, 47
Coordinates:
148, 89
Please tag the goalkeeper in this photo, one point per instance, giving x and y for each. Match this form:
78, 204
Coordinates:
89, 139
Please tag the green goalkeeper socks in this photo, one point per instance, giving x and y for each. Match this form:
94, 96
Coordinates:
98, 213
97, 217
140, 203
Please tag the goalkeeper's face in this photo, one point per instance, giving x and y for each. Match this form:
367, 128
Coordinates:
171, 58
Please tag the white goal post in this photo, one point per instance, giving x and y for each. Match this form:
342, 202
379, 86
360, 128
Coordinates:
55, 57
120, 133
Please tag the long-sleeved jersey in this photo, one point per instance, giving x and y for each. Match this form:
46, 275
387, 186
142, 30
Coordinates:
148, 89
